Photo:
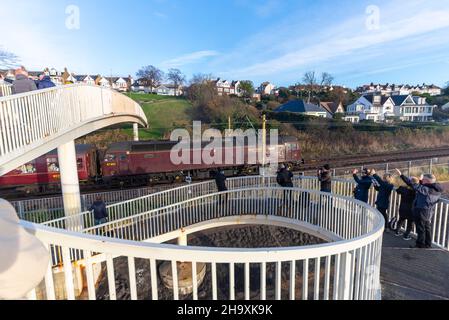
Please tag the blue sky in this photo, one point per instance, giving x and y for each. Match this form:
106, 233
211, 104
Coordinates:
260, 40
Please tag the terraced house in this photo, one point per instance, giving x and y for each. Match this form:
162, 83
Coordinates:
395, 90
380, 108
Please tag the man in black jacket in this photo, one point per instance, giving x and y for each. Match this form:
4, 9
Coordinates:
284, 179
325, 178
100, 211
220, 181
361, 191
408, 195
384, 187
428, 193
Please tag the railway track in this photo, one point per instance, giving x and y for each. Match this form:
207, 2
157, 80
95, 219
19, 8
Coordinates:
395, 156
335, 162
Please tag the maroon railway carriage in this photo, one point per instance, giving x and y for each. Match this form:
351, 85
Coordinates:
149, 162
43, 173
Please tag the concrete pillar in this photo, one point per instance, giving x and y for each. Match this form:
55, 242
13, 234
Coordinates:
70, 183
182, 240
136, 131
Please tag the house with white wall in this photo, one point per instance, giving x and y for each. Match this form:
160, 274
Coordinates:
86, 79
121, 84
225, 87
168, 90
413, 109
372, 107
379, 108
266, 88
102, 82
397, 90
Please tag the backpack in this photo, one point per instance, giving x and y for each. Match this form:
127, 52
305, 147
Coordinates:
280, 179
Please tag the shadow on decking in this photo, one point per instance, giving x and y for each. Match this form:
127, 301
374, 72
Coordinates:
413, 274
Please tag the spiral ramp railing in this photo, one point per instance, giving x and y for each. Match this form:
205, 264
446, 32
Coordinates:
344, 266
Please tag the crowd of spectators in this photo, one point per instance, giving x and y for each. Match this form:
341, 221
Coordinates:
22, 82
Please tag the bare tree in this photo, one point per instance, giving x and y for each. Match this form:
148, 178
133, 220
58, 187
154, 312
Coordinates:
151, 76
201, 78
202, 89
8, 59
326, 79
310, 83
177, 78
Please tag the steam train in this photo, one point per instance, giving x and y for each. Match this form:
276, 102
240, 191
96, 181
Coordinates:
142, 163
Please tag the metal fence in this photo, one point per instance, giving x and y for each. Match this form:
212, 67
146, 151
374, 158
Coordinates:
84, 222
46, 209
438, 166
41, 210
347, 268
5, 90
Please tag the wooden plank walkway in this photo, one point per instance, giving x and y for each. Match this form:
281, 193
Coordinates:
413, 274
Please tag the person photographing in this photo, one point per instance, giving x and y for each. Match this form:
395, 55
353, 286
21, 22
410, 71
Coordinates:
325, 178
428, 193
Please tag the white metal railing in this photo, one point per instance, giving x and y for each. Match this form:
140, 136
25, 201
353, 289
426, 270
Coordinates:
29, 120
46, 209
345, 269
5, 89
41, 210
130, 208
149, 202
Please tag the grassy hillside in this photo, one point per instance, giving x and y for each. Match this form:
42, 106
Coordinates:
164, 114
318, 137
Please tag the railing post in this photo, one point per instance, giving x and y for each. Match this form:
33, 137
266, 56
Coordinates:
409, 168
21, 210
344, 276
84, 203
431, 166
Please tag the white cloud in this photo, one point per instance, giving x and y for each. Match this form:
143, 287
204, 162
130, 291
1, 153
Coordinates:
342, 40
190, 58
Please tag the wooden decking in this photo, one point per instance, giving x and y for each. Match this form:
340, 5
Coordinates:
413, 274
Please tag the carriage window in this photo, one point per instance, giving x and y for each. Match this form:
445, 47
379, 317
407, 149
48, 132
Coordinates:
27, 168
109, 157
123, 157
149, 156
52, 165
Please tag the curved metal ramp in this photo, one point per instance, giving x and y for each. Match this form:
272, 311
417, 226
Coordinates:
34, 123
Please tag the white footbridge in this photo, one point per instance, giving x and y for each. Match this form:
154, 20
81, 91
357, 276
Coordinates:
34, 123
132, 248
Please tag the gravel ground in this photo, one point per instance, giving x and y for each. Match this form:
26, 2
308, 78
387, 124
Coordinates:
230, 237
